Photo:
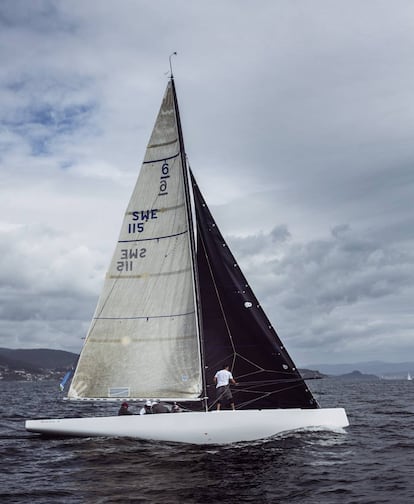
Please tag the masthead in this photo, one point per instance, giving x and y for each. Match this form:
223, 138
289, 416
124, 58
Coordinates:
171, 72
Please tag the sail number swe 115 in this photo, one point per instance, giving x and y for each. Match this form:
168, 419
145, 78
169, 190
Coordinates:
139, 218
127, 258
136, 225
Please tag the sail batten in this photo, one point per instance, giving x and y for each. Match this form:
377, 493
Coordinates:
153, 238
160, 160
147, 316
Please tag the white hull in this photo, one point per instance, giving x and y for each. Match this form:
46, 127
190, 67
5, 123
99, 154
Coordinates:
216, 427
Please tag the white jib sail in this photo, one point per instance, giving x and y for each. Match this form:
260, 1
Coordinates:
143, 341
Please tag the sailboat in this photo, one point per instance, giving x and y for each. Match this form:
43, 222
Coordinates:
174, 309
409, 377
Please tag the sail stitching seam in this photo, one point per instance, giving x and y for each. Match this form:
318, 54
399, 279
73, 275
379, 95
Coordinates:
162, 160
155, 238
143, 317
153, 146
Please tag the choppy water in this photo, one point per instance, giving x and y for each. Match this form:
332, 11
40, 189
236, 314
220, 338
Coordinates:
372, 462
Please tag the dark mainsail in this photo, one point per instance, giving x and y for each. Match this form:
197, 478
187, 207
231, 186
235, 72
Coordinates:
236, 330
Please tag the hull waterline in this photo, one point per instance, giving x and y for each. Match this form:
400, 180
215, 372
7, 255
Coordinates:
217, 427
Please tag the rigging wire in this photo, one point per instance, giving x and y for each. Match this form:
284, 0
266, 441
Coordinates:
219, 300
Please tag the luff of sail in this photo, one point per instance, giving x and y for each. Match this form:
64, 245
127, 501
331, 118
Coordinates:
143, 340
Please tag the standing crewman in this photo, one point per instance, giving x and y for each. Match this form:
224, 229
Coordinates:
222, 380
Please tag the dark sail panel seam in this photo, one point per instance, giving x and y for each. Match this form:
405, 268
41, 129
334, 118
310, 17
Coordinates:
162, 160
146, 317
155, 238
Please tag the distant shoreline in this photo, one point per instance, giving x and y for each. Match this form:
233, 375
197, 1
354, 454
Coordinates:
43, 363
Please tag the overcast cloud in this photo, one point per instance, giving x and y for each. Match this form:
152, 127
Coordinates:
298, 119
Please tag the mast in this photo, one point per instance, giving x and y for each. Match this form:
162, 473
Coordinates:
191, 236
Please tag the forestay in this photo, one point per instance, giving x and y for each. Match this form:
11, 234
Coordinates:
143, 340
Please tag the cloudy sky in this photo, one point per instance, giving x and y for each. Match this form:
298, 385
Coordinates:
298, 119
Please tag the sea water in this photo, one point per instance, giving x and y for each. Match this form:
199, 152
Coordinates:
372, 461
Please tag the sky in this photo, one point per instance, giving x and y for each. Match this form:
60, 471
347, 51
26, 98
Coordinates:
298, 120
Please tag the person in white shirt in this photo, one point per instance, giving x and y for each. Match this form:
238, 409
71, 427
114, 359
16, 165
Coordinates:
222, 380
147, 409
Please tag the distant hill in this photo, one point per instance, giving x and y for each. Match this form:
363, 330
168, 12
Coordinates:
36, 359
357, 376
378, 368
310, 374
10, 363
